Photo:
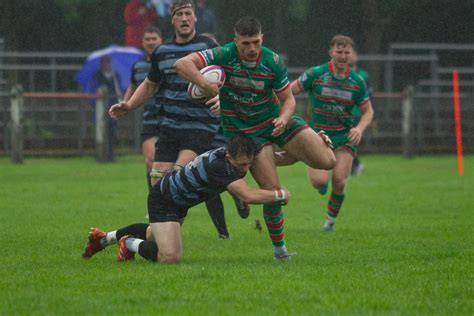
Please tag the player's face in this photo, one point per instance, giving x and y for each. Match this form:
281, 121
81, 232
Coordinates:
241, 164
341, 56
151, 41
184, 22
249, 47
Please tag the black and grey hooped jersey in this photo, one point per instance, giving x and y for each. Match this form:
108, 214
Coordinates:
180, 112
206, 176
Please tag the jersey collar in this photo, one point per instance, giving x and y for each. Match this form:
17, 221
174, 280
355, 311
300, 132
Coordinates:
250, 64
331, 69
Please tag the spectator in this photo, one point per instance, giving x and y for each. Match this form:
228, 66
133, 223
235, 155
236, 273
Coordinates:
109, 79
206, 20
138, 15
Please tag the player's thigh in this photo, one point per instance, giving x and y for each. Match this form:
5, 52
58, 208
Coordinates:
309, 148
318, 177
167, 236
343, 166
148, 149
185, 156
264, 170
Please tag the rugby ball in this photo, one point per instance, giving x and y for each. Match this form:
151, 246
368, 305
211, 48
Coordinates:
211, 73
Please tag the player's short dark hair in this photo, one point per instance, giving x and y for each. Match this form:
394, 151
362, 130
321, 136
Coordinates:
248, 26
153, 29
239, 146
181, 4
341, 40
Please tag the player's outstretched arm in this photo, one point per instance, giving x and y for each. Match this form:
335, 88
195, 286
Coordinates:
144, 91
188, 68
258, 196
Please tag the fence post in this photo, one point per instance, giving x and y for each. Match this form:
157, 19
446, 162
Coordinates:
101, 139
16, 114
408, 120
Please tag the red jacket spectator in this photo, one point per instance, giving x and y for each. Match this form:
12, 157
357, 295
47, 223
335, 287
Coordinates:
138, 15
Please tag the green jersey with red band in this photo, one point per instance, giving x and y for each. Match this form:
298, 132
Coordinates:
333, 99
247, 102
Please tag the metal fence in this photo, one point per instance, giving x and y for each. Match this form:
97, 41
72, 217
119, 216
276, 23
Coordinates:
63, 124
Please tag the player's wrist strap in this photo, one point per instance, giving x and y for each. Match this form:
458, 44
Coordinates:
280, 195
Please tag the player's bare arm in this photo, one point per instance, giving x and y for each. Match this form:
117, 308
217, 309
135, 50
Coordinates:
355, 134
188, 68
296, 87
258, 196
144, 91
287, 109
130, 91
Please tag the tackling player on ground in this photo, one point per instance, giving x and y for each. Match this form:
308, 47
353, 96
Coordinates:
203, 178
253, 74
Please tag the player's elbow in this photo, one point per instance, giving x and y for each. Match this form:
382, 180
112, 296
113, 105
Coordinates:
180, 65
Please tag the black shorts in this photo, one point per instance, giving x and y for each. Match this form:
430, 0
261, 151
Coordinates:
172, 141
161, 209
149, 131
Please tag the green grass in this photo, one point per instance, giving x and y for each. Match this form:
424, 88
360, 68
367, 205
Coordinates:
403, 245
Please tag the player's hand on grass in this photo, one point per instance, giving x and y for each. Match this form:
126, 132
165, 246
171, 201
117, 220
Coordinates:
280, 125
214, 105
119, 110
355, 136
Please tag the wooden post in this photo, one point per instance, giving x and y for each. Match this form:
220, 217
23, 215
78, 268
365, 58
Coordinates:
101, 125
16, 114
408, 122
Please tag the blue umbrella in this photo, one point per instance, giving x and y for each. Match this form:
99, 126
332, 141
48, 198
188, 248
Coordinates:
122, 59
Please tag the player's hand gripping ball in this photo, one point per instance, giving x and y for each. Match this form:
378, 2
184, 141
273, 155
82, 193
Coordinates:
212, 74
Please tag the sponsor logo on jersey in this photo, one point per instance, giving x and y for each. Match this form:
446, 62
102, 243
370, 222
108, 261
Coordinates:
333, 108
247, 83
335, 93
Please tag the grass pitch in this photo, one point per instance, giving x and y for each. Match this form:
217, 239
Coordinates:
403, 244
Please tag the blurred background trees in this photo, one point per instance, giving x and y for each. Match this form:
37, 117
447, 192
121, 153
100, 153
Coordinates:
299, 29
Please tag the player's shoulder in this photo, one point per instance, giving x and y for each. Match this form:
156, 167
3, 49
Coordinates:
140, 62
208, 41
357, 77
320, 69
317, 70
271, 56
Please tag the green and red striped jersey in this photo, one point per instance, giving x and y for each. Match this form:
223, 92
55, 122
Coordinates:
246, 98
333, 98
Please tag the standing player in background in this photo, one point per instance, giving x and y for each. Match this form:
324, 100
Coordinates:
188, 128
253, 74
336, 90
152, 39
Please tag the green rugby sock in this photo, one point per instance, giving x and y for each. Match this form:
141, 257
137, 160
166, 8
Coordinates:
334, 205
273, 216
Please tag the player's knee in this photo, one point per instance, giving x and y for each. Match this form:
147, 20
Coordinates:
330, 160
171, 257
